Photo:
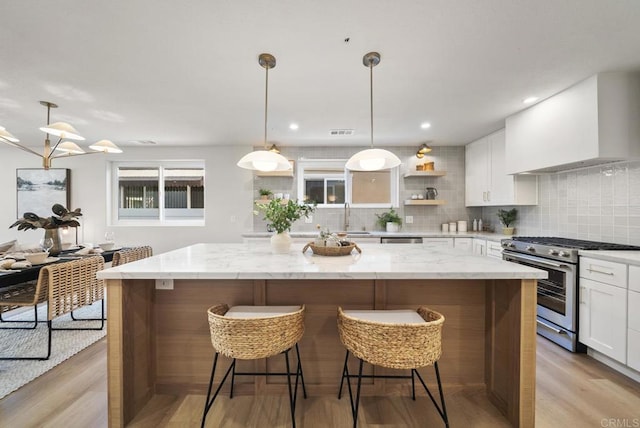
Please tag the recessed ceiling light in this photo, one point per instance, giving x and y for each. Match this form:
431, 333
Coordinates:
530, 100
425, 125
294, 126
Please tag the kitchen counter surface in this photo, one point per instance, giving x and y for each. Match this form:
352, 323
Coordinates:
628, 257
379, 234
377, 261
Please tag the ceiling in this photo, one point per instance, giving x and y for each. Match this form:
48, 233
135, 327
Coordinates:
187, 73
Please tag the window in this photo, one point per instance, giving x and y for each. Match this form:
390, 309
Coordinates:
327, 183
158, 193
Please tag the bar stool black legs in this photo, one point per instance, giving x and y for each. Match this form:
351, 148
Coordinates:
441, 408
293, 389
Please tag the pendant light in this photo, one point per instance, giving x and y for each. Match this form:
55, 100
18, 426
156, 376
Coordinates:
265, 160
372, 159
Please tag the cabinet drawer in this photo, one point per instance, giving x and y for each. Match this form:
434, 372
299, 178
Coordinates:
634, 278
634, 310
445, 242
494, 249
604, 271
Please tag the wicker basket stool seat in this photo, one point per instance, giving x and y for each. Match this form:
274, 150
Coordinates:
396, 339
255, 332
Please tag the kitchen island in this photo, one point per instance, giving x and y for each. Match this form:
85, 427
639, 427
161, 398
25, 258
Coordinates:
159, 343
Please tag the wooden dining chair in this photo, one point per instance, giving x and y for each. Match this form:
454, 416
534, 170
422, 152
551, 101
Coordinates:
64, 286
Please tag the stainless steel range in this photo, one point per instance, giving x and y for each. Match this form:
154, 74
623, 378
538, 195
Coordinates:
557, 295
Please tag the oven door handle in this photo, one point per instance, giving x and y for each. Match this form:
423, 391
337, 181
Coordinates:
548, 327
536, 260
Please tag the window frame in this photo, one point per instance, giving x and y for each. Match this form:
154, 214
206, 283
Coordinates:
339, 164
162, 220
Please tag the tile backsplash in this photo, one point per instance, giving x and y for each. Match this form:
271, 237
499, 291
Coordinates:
425, 218
600, 203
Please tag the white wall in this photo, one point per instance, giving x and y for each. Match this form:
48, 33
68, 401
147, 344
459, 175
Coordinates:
228, 196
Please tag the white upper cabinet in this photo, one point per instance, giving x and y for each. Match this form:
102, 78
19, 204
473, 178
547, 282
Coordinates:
486, 180
592, 122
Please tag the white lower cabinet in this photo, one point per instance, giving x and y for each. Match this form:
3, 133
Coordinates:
444, 242
603, 318
633, 334
480, 246
494, 249
464, 244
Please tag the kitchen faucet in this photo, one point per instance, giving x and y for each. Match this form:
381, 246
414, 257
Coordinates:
347, 214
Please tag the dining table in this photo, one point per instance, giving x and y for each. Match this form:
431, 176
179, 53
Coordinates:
19, 276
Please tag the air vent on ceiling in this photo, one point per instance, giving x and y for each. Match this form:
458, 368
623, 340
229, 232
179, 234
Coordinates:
340, 132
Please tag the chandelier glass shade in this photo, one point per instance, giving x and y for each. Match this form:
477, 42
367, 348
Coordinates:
63, 146
372, 159
265, 160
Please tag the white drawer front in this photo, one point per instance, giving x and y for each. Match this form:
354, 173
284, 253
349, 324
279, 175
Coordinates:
634, 310
494, 249
604, 271
633, 350
634, 278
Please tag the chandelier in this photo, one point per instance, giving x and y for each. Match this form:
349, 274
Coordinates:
268, 159
63, 131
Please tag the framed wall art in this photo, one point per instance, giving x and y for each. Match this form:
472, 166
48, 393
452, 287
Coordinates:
39, 189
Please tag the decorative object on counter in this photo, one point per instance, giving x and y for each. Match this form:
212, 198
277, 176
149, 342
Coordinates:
344, 249
462, 225
414, 196
281, 216
507, 217
63, 131
265, 193
372, 159
389, 220
420, 196
453, 227
480, 229
429, 166
51, 225
445, 227
265, 159
475, 225
431, 193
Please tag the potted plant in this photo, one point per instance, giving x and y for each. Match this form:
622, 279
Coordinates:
265, 193
281, 215
389, 220
507, 217
51, 225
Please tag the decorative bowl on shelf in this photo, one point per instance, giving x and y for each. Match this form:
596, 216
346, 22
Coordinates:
344, 250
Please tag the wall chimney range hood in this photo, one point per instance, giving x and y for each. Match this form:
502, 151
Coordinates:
594, 122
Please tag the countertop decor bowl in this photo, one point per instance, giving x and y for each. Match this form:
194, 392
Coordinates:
332, 251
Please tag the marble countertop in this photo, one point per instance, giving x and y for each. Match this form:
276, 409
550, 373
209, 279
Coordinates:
377, 261
378, 234
628, 257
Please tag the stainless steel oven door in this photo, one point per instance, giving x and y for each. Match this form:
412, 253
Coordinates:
557, 293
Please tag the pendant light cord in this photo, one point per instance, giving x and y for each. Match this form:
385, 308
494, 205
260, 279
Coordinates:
266, 100
371, 97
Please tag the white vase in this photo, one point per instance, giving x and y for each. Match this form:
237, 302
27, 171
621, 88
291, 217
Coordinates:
281, 243
392, 227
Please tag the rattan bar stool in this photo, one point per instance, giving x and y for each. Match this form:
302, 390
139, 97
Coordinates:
395, 339
255, 332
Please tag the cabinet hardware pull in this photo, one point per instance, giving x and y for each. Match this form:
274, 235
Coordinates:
547, 326
599, 271
488, 195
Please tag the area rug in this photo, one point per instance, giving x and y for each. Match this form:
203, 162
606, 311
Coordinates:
65, 344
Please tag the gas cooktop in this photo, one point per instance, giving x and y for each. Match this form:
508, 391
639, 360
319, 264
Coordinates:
574, 243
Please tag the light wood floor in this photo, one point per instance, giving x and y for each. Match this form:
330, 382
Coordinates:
572, 390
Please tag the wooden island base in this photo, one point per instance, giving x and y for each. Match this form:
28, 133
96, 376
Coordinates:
159, 343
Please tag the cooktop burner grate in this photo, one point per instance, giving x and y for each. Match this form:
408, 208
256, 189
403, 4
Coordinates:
575, 243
